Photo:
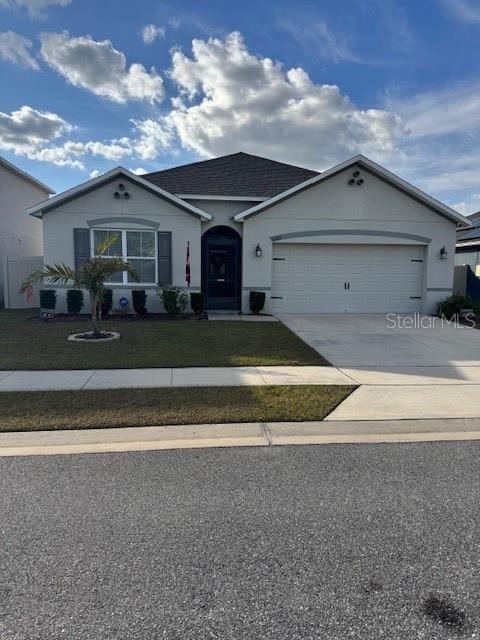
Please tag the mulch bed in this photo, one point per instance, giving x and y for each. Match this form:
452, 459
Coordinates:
114, 317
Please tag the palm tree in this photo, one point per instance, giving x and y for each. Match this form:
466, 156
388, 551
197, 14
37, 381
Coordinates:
91, 276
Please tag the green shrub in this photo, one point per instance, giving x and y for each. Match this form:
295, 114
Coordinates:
257, 301
174, 301
74, 301
48, 299
107, 302
139, 301
453, 305
197, 302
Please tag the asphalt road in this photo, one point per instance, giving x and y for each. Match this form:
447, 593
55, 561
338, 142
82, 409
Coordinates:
330, 542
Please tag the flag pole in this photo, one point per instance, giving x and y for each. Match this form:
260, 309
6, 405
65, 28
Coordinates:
187, 266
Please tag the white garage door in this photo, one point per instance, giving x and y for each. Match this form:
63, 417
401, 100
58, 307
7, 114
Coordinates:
333, 278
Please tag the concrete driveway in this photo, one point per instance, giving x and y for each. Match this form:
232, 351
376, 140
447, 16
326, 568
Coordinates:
428, 370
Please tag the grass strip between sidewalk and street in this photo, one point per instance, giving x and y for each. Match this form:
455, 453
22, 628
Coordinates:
51, 410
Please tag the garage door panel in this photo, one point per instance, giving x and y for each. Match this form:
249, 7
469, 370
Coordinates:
381, 278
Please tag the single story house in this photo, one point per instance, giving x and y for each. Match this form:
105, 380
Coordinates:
355, 238
468, 245
20, 235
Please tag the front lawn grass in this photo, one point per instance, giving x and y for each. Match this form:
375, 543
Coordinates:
39, 410
27, 343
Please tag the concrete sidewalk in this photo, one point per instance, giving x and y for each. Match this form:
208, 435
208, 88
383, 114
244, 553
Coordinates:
234, 435
168, 377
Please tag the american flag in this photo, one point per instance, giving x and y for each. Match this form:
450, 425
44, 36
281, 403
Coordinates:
29, 295
187, 265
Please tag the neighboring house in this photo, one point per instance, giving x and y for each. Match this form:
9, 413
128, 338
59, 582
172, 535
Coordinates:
468, 245
20, 234
355, 238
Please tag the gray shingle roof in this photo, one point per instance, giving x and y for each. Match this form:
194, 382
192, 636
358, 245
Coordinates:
465, 235
238, 174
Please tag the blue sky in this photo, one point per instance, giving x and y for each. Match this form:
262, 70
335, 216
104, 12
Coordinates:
88, 85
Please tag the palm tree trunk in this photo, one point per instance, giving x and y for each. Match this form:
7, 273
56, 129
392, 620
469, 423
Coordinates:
94, 306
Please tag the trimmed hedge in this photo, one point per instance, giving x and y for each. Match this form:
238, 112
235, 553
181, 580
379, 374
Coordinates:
48, 299
139, 301
74, 301
257, 301
197, 302
107, 302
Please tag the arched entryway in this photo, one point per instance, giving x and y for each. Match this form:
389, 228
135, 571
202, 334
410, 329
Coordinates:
222, 268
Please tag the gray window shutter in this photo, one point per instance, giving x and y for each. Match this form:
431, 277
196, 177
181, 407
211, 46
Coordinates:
81, 245
164, 257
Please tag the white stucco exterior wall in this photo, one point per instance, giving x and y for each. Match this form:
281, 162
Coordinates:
142, 211
334, 205
223, 212
20, 234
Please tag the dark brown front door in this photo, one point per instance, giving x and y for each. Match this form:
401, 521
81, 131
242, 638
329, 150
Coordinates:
221, 268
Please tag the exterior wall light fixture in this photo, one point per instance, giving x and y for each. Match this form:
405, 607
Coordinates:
443, 253
258, 251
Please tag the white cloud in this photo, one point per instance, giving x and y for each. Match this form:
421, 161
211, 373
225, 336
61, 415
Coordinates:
61, 156
26, 130
35, 8
139, 171
151, 32
154, 136
469, 205
30, 133
98, 67
463, 10
114, 150
15, 48
95, 173
68, 153
231, 99
445, 111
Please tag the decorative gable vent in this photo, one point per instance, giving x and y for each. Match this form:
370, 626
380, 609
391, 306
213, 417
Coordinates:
121, 193
356, 179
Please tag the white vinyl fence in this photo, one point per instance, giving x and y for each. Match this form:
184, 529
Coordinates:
15, 272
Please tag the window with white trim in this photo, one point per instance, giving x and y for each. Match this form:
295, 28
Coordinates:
138, 248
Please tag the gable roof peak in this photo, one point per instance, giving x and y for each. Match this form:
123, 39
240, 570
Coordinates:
375, 169
70, 194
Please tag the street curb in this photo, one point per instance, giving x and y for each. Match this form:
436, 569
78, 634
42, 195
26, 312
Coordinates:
124, 439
